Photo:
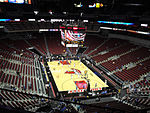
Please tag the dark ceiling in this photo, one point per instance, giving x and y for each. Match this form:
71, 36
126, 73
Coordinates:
118, 9
118, 6
129, 10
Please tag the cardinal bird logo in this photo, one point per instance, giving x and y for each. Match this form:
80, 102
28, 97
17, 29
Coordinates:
73, 71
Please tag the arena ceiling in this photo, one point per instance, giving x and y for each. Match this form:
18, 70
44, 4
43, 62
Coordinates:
112, 9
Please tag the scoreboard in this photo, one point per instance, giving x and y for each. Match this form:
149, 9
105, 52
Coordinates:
72, 36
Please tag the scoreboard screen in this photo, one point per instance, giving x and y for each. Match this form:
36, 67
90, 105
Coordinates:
72, 38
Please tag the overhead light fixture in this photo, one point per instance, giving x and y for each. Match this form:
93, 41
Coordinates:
120, 23
78, 5
43, 20
17, 20
81, 14
36, 12
50, 12
85, 20
144, 25
31, 19
65, 13
133, 4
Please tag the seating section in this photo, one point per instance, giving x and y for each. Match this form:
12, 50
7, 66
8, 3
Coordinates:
16, 100
54, 44
141, 87
117, 51
108, 45
135, 72
20, 72
92, 42
73, 50
136, 102
38, 43
18, 47
125, 60
27, 26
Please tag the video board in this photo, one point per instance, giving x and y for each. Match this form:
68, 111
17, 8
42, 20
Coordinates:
72, 38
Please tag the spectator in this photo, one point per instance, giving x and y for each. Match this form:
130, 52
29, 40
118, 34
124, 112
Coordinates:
0, 99
136, 101
14, 88
21, 54
137, 85
30, 86
24, 87
107, 107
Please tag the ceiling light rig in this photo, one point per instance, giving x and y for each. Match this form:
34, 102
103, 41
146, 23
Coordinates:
50, 12
96, 4
36, 12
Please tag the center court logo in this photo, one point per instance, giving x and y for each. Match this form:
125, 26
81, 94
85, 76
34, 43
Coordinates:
73, 71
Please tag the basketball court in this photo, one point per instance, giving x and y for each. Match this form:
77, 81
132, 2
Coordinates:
73, 76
